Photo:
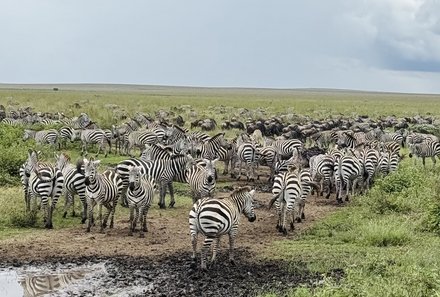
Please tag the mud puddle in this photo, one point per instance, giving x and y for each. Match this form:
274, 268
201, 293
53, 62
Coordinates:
173, 275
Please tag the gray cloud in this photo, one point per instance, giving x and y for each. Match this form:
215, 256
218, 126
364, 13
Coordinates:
370, 45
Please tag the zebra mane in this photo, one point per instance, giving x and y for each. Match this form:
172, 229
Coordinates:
240, 191
217, 136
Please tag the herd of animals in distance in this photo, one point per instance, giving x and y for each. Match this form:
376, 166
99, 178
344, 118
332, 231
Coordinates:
340, 155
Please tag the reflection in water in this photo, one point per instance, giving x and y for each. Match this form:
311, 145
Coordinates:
38, 285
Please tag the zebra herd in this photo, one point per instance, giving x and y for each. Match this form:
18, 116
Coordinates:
336, 161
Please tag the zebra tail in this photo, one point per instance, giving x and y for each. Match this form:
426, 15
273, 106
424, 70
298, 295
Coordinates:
272, 201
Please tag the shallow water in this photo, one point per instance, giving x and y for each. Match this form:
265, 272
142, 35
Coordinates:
44, 281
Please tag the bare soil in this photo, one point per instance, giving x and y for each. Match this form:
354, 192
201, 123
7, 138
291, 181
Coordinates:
164, 255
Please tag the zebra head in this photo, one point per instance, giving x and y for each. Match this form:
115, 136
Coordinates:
134, 177
31, 162
61, 160
90, 170
210, 168
246, 198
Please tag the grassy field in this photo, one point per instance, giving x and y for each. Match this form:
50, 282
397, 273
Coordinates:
383, 244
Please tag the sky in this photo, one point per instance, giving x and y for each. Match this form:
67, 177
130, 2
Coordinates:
374, 45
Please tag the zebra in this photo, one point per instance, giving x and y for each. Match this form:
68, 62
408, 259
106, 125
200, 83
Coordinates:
286, 190
67, 133
414, 138
209, 149
140, 138
90, 136
369, 159
305, 178
285, 148
214, 217
247, 153
388, 162
395, 137
201, 179
322, 139
390, 146
140, 193
425, 149
42, 137
268, 157
44, 181
102, 189
74, 183
348, 170
164, 171
351, 140
321, 169
13, 122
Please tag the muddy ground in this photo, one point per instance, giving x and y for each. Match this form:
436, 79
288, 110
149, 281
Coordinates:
161, 262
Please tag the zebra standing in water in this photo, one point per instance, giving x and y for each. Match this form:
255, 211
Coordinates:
214, 217
102, 189
202, 179
74, 183
139, 197
44, 181
42, 137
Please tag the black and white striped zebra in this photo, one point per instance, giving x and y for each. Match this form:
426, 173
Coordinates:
42, 137
285, 148
268, 157
396, 137
348, 171
95, 136
247, 153
388, 162
425, 149
369, 159
74, 184
164, 171
201, 179
351, 139
286, 190
44, 181
102, 189
209, 149
322, 169
139, 139
140, 193
214, 217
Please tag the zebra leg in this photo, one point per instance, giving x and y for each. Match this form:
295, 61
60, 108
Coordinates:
239, 169
144, 219
423, 161
141, 222
232, 235
131, 221
106, 216
433, 161
172, 201
205, 249
194, 243
90, 205
215, 248
347, 192
112, 214
163, 191
100, 217
67, 203
84, 211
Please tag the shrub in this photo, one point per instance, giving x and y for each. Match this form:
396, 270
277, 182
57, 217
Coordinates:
13, 153
21, 219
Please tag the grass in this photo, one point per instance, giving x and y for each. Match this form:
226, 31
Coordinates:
383, 244
376, 250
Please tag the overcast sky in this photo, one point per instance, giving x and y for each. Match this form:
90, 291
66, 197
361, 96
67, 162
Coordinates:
379, 45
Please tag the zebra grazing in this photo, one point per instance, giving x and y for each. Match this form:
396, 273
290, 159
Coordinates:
214, 217
140, 194
201, 179
44, 181
101, 189
425, 149
42, 137
247, 153
67, 134
322, 169
348, 171
95, 136
74, 184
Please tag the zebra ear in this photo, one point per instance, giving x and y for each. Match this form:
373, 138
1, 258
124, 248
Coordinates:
97, 162
252, 192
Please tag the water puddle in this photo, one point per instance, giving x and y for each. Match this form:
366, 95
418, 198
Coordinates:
44, 281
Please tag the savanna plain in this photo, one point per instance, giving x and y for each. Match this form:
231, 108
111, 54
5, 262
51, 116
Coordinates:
383, 243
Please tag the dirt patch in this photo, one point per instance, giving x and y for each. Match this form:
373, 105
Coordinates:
162, 259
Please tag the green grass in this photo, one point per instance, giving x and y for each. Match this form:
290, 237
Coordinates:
381, 250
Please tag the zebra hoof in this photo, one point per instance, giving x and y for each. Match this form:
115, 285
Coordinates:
49, 226
284, 231
64, 214
83, 221
73, 214
298, 220
88, 230
303, 216
232, 262
171, 204
292, 227
162, 206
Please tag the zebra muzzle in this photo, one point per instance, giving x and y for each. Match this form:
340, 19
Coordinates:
253, 218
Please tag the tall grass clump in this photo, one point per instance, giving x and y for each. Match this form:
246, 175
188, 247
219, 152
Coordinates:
13, 153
